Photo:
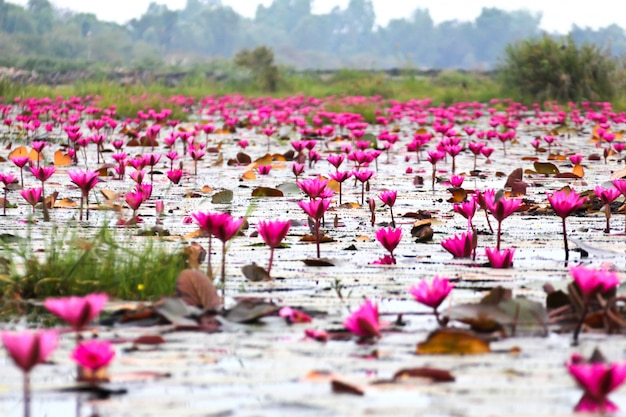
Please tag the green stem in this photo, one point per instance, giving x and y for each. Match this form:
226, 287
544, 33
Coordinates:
579, 325
565, 240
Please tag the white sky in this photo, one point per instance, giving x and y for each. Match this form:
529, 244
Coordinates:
557, 16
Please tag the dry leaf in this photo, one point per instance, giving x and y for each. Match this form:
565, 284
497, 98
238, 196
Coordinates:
546, 168
458, 195
110, 195
248, 175
255, 273
450, 341
223, 197
514, 177
149, 339
62, 160
318, 262
579, 171
206, 189
250, 310
437, 375
266, 192
196, 289
65, 203
340, 387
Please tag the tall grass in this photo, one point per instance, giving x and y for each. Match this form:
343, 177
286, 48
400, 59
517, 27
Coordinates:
75, 265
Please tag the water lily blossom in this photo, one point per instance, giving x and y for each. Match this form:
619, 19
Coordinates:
460, 246
500, 259
77, 311
364, 321
85, 180
431, 294
564, 203
92, 356
607, 195
389, 199
390, 239
597, 380
591, 281
273, 232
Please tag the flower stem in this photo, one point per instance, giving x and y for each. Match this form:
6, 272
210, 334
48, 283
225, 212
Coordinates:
269, 267
499, 235
393, 222
317, 236
579, 325
607, 213
209, 270
26, 394
223, 278
565, 240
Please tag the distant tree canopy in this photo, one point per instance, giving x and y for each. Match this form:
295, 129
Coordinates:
206, 29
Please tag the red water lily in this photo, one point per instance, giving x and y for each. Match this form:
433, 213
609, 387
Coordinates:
364, 321
565, 203
432, 294
597, 380
390, 239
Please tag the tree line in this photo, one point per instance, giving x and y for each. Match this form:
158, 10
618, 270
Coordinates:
206, 30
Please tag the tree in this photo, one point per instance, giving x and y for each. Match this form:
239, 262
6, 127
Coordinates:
261, 62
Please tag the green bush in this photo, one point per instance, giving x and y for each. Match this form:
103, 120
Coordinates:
550, 68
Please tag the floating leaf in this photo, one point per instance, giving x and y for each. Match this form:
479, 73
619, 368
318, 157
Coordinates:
248, 175
249, 310
264, 160
196, 289
255, 273
176, 311
222, 197
546, 168
567, 175
243, 158
65, 203
371, 138
266, 192
110, 195
579, 171
289, 188
149, 339
458, 195
340, 387
450, 341
206, 189
318, 262
514, 177
62, 160
437, 375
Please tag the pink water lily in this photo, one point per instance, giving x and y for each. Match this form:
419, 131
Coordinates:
390, 239
431, 294
607, 196
389, 199
460, 246
597, 380
565, 203
364, 321
273, 233
225, 228
315, 209
591, 281
92, 356
29, 348
77, 311
500, 209
85, 180
500, 258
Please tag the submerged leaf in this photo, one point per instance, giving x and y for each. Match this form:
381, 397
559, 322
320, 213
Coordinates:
255, 273
249, 310
266, 192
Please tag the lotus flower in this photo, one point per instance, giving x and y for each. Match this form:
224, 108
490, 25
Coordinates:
364, 321
433, 294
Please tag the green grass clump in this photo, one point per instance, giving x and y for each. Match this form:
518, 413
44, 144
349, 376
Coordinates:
75, 265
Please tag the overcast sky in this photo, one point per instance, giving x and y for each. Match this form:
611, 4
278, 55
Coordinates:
557, 16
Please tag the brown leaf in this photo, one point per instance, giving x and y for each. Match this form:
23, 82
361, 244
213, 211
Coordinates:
318, 262
149, 339
266, 192
567, 175
196, 289
437, 375
518, 189
458, 195
450, 341
340, 387
248, 175
255, 273
110, 195
243, 158
65, 203
579, 171
61, 160
194, 254
514, 177
546, 168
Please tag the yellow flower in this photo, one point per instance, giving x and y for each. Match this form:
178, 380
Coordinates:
141, 287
